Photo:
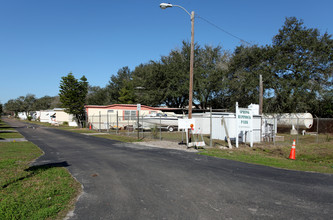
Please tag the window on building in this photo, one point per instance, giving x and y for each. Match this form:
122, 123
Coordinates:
129, 115
133, 115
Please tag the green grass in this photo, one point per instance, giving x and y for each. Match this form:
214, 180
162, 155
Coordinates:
10, 135
5, 127
8, 132
309, 156
41, 192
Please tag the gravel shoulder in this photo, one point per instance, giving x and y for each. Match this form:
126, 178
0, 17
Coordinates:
167, 145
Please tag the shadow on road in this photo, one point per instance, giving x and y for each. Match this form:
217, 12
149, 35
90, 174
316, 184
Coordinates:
32, 171
43, 167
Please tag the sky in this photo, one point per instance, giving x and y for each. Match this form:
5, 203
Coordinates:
44, 40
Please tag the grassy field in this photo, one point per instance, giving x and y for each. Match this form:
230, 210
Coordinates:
40, 192
316, 157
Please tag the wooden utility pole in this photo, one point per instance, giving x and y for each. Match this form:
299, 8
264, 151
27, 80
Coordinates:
261, 89
191, 68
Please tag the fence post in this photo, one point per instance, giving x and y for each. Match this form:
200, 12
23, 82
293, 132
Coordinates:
143, 132
107, 121
99, 121
160, 128
317, 129
86, 120
274, 131
211, 128
128, 126
297, 142
138, 125
117, 123
92, 122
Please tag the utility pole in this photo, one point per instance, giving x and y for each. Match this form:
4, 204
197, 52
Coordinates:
191, 68
261, 89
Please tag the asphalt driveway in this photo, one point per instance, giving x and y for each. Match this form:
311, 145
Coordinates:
128, 181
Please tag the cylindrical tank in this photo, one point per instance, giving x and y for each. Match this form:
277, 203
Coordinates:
298, 120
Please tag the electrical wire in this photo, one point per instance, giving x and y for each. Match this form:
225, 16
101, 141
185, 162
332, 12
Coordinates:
221, 29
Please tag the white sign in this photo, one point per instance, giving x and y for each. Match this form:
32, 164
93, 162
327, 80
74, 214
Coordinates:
244, 119
244, 122
138, 107
186, 124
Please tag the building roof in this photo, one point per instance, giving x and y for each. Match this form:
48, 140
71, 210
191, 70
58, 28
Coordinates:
121, 106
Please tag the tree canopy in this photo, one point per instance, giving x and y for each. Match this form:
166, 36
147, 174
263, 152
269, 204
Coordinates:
73, 93
29, 104
301, 67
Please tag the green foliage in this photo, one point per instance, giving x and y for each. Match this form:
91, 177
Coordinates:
210, 70
176, 76
166, 82
21, 104
126, 94
116, 83
149, 82
301, 66
296, 69
73, 95
155, 131
242, 80
97, 96
43, 103
30, 103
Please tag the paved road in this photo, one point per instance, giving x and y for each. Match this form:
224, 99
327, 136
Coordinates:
126, 181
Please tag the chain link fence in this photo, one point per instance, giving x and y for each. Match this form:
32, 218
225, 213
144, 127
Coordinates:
156, 128
304, 130
272, 130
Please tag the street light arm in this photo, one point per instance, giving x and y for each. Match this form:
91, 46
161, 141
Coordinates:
168, 5
183, 9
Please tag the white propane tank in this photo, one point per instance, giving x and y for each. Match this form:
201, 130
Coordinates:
296, 120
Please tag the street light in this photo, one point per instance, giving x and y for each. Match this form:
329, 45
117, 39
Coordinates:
165, 5
168, 5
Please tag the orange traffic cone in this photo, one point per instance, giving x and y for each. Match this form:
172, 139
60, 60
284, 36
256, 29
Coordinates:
292, 154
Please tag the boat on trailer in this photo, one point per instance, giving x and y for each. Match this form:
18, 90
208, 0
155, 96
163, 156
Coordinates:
170, 122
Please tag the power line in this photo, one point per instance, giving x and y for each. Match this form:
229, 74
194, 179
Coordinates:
221, 29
